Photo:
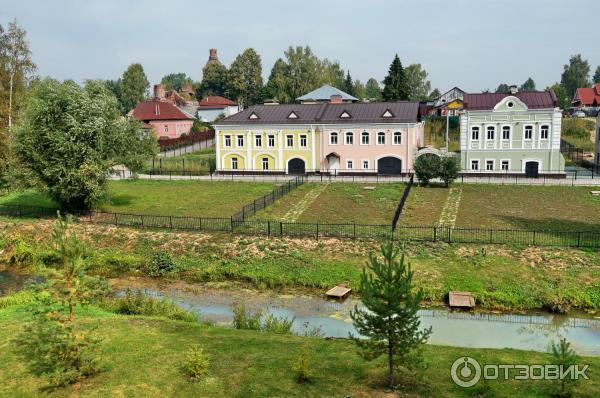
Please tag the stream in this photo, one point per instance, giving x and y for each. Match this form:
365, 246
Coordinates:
472, 329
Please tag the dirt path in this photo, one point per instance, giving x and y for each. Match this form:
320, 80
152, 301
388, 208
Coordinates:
450, 210
295, 212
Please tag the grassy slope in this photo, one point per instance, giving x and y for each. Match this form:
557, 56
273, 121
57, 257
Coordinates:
499, 276
142, 357
423, 206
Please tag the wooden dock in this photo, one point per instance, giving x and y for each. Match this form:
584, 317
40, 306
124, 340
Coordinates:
461, 299
338, 292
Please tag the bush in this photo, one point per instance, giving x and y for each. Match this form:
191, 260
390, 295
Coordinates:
242, 319
281, 325
22, 253
196, 363
19, 298
139, 304
426, 168
302, 368
448, 170
161, 264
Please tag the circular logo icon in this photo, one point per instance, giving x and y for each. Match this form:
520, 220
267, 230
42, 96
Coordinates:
465, 372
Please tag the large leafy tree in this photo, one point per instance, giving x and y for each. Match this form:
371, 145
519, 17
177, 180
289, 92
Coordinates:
275, 89
304, 72
596, 77
70, 137
333, 73
372, 89
435, 94
176, 81
561, 94
529, 85
134, 86
214, 81
359, 89
575, 74
395, 85
418, 85
389, 324
503, 88
245, 78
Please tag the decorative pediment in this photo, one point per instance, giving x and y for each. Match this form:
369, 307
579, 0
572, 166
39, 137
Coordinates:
253, 116
387, 114
510, 103
345, 115
292, 115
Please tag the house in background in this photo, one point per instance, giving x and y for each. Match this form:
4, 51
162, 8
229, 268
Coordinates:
511, 133
450, 103
587, 98
166, 119
325, 94
340, 138
597, 156
210, 108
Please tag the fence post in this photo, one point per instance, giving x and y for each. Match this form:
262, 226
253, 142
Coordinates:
435, 233
116, 220
579, 239
280, 229
317, 231
449, 234
491, 240
231, 219
533, 238
354, 231
171, 221
268, 228
142, 220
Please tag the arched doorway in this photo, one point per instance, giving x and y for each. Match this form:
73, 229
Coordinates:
333, 160
532, 169
296, 166
389, 165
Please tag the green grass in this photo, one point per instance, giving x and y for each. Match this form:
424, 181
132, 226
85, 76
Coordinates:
29, 197
423, 206
340, 203
142, 357
196, 162
579, 132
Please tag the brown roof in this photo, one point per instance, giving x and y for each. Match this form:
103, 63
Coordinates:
215, 101
533, 100
401, 112
158, 110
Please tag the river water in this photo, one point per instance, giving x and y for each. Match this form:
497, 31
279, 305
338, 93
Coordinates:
530, 331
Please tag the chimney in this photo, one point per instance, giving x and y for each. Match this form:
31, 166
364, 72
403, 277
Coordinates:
157, 109
159, 91
213, 55
336, 99
513, 90
187, 88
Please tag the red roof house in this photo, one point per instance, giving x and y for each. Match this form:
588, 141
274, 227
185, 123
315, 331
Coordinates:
215, 102
587, 96
215, 106
166, 119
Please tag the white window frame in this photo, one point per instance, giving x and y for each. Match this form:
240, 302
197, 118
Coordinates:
363, 135
287, 143
381, 134
525, 130
349, 164
227, 141
547, 126
501, 164
397, 134
493, 164
509, 132
303, 141
166, 128
234, 163
333, 135
473, 129
363, 163
269, 138
264, 165
349, 134
471, 164
258, 141
487, 130
239, 138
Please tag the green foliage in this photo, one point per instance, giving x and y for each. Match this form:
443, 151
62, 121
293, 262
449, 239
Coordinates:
418, 85
176, 81
19, 298
348, 84
275, 89
395, 84
54, 349
529, 85
372, 89
575, 74
277, 325
302, 367
243, 319
214, 81
389, 325
435, 94
577, 131
563, 97
134, 86
563, 356
161, 264
70, 136
245, 78
139, 304
427, 167
449, 169
503, 88
596, 78
22, 253
196, 363
359, 89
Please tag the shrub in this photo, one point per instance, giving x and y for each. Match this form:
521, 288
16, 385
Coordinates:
19, 298
140, 304
196, 363
275, 324
244, 320
302, 368
427, 167
563, 356
448, 170
161, 264
22, 253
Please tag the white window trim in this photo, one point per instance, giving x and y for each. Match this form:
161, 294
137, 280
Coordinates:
471, 164
237, 163
237, 141
258, 136
532, 131
510, 134
493, 164
548, 127
350, 168
262, 163
368, 139
331, 134
305, 136
274, 141
286, 140
486, 132
362, 165
225, 141
504, 160
394, 137
346, 134
377, 138
539, 162
478, 133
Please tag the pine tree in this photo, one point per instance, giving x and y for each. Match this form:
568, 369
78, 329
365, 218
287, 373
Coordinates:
563, 356
348, 84
395, 86
390, 324
529, 85
596, 77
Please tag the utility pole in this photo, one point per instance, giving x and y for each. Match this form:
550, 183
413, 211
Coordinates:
447, 127
10, 101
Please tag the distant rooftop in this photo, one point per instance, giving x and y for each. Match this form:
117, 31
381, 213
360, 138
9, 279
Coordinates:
533, 100
325, 93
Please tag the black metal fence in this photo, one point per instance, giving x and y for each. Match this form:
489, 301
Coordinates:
435, 233
250, 209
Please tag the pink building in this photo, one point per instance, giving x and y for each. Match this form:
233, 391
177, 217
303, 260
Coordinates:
166, 119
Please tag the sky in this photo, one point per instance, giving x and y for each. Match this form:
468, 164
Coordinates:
472, 44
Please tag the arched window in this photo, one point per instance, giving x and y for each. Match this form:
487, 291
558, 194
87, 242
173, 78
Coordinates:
381, 138
397, 138
349, 138
364, 138
333, 138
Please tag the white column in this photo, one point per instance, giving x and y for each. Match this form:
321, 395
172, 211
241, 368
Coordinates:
280, 150
313, 147
218, 149
249, 161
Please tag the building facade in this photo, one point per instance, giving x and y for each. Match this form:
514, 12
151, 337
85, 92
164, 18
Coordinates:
166, 119
346, 138
597, 152
511, 133
211, 107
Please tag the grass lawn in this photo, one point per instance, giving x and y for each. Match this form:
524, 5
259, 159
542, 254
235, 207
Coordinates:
423, 206
142, 357
28, 197
338, 203
529, 207
195, 162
